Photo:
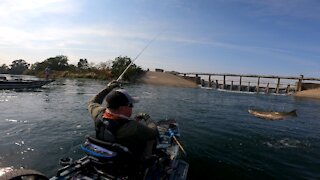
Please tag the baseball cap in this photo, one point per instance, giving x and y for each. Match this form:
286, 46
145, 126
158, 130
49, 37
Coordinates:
119, 97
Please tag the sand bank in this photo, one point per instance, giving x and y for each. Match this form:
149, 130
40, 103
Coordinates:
312, 93
165, 79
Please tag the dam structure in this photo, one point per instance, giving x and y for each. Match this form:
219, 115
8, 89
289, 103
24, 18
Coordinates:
254, 83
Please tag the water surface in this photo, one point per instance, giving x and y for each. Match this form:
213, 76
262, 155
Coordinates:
222, 139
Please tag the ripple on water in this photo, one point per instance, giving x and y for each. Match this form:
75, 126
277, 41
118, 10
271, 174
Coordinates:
287, 143
5, 97
221, 138
16, 121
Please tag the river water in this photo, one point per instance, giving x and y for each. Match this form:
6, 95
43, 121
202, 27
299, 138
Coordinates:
222, 139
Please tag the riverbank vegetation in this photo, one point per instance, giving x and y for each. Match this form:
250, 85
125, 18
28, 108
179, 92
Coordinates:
59, 67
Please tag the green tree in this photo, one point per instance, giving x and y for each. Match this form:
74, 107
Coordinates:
120, 64
72, 67
58, 63
4, 69
18, 66
34, 67
83, 64
102, 66
92, 66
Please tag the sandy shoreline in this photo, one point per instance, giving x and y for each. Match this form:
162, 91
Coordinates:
165, 79
312, 93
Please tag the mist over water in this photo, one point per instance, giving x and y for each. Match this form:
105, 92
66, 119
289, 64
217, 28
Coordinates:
222, 139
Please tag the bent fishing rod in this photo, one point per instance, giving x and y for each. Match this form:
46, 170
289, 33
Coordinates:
120, 77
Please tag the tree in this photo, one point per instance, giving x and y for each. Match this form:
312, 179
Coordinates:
120, 64
18, 66
104, 65
83, 64
58, 63
4, 69
92, 66
72, 67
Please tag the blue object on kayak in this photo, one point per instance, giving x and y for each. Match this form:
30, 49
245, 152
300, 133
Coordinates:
97, 151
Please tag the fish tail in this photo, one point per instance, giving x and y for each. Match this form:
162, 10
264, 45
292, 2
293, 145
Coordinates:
293, 112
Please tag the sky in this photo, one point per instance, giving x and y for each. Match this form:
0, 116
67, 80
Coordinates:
266, 37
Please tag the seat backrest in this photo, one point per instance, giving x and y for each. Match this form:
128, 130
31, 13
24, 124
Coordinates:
102, 149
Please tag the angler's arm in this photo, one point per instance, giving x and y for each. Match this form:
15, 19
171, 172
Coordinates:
94, 105
147, 133
145, 119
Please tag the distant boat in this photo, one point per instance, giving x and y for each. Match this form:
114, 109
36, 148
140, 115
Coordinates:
272, 115
19, 83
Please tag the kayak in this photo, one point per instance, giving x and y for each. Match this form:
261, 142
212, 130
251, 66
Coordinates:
109, 160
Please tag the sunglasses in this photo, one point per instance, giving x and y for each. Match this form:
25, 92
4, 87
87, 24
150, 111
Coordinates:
130, 105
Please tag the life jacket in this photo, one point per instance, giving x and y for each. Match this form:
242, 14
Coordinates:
108, 125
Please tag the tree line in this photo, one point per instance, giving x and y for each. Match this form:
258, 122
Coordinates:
109, 69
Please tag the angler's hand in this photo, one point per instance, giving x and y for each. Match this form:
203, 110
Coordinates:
113, 84
142, 116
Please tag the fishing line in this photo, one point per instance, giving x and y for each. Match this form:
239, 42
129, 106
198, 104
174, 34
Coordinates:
120, 77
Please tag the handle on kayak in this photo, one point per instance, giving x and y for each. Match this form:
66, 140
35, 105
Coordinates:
178, 143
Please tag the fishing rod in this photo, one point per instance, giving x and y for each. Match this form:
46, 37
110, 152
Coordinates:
120, 77
180, 146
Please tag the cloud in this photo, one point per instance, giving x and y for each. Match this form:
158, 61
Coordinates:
18, 12
24, 22
67, 37
75, 41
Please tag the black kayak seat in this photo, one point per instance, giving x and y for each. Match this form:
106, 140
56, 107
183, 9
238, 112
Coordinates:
102, 149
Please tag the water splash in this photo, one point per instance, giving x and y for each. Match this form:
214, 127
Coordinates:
5, 170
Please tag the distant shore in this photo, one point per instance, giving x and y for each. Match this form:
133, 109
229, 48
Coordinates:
168, 79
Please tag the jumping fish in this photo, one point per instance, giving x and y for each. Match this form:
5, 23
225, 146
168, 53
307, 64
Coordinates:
272, 115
